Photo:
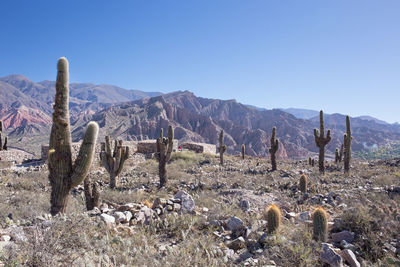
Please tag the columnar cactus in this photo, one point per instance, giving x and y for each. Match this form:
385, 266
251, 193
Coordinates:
2, 147
321, 141
337, 155
309, 161
113, 161
64, 175
221, 148
303, 183
347, 146
92, 195
273, 217
320, 224
164, 150
341, 153
243, 150
274, 148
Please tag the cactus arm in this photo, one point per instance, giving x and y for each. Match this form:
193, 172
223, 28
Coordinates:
86, 155
170, 143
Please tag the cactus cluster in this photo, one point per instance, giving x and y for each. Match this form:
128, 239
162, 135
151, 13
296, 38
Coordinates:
63, 174
321, 141
164, 150
221, 148
339, 154
274, 148
243, 151
2, 146
272, 215
347, 138
320, 224
113, 160
303, 183
311, 161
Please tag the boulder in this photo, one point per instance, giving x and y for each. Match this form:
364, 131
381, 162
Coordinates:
187, 202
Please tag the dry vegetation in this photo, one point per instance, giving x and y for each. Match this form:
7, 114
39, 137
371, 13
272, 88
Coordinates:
362, 204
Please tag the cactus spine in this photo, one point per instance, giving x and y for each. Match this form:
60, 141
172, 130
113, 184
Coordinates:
221, 148
164, 150
303, 183
243, 150
3, 147
113, 161
321, 141
273, 216
347, 146
64, 175
92, 194
274, 148
320, 224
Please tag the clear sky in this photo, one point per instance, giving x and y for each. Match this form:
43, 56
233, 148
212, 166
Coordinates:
340, 56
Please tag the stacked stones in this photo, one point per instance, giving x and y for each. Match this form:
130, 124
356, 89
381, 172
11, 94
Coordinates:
162, 206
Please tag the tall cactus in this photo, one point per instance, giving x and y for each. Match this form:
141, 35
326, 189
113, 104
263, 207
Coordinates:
243, 151
113, 161
347, 146
64, 175
221, 148
274, 148
321, 141
2, 147
164, 150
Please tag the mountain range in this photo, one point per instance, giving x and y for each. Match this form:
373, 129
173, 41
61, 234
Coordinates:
136, 115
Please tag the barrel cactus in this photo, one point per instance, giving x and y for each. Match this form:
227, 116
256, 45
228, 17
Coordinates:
272, 215
320, 224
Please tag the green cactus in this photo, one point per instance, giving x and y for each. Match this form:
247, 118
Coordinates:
113, 161
320, 225
64, 175
243, 151
164, 150
303, 183
309, 161
321, 141
341, 153
273, 217
3, 147
274, 148
221, 148
347, 146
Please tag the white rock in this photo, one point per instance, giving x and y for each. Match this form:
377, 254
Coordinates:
108, 219
187, 201
330, 257
5, 238
350, 258
119, 216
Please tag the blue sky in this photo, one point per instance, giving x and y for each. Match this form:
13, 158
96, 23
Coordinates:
340, 56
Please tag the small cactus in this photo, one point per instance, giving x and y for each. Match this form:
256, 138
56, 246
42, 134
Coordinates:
2, 146
303, 183
313, 162
272, 215
347, 146
320, 225
64, 175
309, 161
243, 150
92, 195
113, 161
321, 141
337, 156
221, 148
164, 150
274, 148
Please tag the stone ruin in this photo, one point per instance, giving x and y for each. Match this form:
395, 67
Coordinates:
200, 147
150, 146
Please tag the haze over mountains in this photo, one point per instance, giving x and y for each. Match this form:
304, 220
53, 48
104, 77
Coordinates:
26, 108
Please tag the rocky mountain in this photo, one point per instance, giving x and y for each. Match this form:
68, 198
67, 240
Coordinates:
26, 106
200, 119
301, 113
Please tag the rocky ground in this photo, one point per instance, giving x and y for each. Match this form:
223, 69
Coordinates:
207, 216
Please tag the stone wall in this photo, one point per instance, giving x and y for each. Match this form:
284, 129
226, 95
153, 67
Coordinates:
150, 146
200, 147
